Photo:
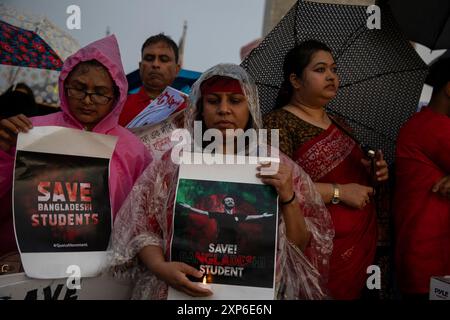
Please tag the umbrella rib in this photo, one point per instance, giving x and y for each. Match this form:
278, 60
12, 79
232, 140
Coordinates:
16, 72
381, 75
351, 83
363, 125
297, 4
351, 40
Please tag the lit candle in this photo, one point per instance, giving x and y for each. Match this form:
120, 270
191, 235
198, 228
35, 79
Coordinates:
204, 284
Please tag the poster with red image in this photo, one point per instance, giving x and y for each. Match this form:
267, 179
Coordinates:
225, 224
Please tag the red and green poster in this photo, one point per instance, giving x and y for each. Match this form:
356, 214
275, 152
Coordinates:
225, 225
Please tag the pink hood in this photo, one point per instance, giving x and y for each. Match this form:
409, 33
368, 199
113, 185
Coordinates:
106, 51
130, 156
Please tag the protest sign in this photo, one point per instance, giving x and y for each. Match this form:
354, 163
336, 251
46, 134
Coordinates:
61, 203
225, 225
156, 137
169, 101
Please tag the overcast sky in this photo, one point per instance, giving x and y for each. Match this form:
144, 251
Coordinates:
217, 29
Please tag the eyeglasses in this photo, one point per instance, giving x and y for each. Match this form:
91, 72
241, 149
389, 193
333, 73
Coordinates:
81, 94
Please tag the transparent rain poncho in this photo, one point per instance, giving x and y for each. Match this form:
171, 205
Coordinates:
146, 217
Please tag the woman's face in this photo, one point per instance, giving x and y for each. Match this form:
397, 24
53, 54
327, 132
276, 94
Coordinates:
319, 81
225, 110
89, 110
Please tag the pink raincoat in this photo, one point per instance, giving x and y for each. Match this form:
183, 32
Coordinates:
130, 156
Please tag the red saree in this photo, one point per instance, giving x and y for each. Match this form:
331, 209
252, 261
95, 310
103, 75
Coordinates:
333, 157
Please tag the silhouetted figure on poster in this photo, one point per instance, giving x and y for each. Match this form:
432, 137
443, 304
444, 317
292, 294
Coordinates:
227, 221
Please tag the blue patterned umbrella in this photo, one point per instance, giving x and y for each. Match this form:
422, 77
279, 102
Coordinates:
25, 48
43, 82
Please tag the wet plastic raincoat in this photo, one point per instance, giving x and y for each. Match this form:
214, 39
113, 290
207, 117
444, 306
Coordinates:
130, 156
146, 217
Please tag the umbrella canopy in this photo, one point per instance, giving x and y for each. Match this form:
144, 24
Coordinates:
43, 82
381, 75
26, 49
60, 41
425, 22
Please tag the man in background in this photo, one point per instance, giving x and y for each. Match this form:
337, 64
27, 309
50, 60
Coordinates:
158, 69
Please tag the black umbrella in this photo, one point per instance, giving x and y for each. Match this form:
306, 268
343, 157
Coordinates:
381, 74
424, 21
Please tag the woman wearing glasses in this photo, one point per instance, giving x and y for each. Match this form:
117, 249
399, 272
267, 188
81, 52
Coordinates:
92, 90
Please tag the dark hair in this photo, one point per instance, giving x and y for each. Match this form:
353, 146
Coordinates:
439, 73
161, 38
14, 102
295, 62
23, 86
229, 196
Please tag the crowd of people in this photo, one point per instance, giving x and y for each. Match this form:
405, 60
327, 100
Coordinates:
327, 234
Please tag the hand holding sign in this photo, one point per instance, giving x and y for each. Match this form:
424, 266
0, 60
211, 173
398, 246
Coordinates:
9, 128
61, 210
